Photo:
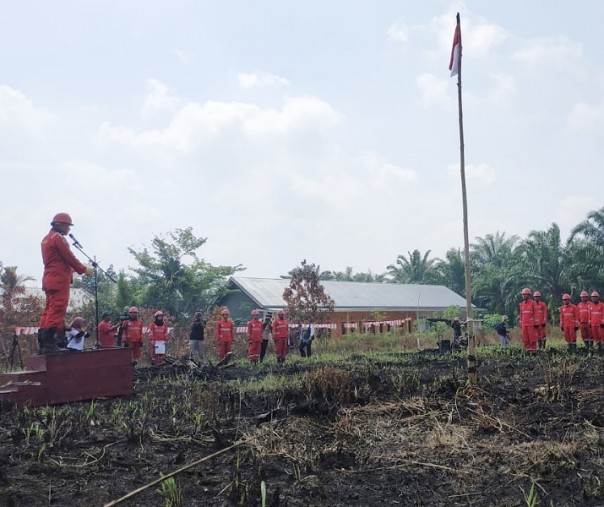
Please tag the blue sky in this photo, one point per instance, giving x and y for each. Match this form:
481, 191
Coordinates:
284, 131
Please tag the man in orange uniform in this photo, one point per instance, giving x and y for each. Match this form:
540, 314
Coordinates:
527, 322
569, 322
584, 306
280, 336
254, 336
596, 319
59, 265
158, 336
132, 333
540, 319
225, 334
106, 332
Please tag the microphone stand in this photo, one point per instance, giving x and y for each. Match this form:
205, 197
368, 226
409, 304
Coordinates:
96, 269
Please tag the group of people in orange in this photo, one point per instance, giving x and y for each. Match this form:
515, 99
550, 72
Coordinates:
258, 333
587, 316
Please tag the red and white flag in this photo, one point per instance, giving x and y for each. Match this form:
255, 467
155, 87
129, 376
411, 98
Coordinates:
455, 61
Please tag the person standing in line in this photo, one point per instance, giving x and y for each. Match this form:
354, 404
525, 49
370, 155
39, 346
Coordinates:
254, 336
59, 265
280, 336
158, 336
502, 332
132, 333
540, 319
527, 322
584, 307
266, 334
196, 339
569, 322
306, 338
225, 334
596, 319
106, 332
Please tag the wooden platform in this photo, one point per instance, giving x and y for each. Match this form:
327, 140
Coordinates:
70, 376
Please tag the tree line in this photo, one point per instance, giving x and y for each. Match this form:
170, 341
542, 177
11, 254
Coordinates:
169, 273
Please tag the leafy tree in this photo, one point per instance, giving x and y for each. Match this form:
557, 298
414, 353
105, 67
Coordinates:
349, 276
451, 271
174, 278
417, 268
12, 285
305, 297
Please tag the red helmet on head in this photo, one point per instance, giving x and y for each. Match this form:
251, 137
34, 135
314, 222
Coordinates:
62, 218
133, 309
565, 297
281, 312
224, 312
584, 294
595, 294
537, 294
255, 312
158, 313
526, 290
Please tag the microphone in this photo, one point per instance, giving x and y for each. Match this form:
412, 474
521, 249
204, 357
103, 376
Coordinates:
76, 243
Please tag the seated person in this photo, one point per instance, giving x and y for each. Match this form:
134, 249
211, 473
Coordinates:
76, 334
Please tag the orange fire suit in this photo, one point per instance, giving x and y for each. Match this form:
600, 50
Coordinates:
106, 335
569, 322
254, 336
280, 336
59, 265
133, 337
540, 319
225, 335
584, 325
596, 319
528, 325
157, 333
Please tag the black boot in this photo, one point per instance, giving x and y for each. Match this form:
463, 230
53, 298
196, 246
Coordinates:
41, 333
572, 348
600, 349
51, 342
543, 342
589, 344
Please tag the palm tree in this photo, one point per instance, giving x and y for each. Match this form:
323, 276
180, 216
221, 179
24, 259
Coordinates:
12, 285
451, 271
417, 268
546, 262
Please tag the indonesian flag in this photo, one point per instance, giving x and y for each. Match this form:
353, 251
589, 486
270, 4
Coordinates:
455, 61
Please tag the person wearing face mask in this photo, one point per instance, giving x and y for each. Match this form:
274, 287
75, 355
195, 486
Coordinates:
158, 336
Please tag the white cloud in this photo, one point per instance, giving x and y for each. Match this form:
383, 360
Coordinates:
585, 115
504, 88
158, 98
260, 79
16, 110
482, 174
182, 56
432, 89
556, 51
195, 124
399, 32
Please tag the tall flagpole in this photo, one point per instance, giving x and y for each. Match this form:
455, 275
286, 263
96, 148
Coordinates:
472, 371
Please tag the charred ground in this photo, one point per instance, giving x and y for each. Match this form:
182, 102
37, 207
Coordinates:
377, 429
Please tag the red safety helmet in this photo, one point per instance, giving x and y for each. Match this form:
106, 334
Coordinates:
584, 294
62, 218
537, 294
526, 290
224, 312
281, 312
158, 313
594, 294
133, 309
255, 312
565, 297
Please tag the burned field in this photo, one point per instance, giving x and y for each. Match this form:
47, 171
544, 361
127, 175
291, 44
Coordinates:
380, 429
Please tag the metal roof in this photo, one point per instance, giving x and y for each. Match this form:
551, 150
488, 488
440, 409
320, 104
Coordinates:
357, 296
